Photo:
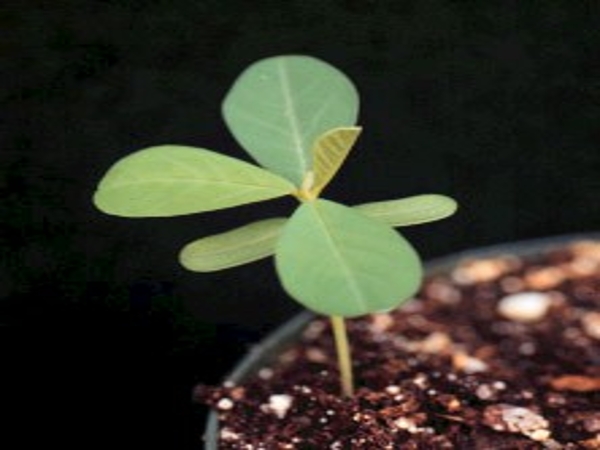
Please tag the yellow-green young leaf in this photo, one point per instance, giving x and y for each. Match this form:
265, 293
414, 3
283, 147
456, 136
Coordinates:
233, 248
173, 180
279, 106
410, 210
329, 152
337, 261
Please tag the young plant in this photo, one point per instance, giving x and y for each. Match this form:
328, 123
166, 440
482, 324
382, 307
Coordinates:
296, 116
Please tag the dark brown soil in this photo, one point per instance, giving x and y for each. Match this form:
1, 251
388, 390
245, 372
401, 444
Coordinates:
451, 370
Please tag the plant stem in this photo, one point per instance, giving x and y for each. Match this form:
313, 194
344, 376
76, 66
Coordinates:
342, 347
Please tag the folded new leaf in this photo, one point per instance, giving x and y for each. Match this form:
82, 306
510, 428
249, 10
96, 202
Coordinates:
329, 152
174, 180
410, 210
336, 261
279, 106
233, 248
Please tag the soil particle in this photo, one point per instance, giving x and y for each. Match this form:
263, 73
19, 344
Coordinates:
449, 370
516, 419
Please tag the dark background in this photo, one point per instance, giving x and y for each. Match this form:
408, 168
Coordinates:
103, 334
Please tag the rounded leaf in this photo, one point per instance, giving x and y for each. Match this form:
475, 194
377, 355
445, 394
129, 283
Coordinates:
279, 106
336, 261
233, 248
173, 180
410, 210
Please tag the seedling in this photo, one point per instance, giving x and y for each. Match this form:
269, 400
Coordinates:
296, 116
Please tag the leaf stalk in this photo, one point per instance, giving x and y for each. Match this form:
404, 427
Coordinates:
342, 346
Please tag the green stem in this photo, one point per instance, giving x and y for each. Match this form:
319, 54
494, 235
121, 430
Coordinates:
340, 336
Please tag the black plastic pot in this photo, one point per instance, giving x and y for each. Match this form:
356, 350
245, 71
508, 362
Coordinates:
265, 352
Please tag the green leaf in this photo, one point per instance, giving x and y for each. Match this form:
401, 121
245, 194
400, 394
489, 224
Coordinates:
410, 210
330, 151
233, 248
336, 261
279, 106
172, 180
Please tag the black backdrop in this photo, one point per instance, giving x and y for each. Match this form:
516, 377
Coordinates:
103, 334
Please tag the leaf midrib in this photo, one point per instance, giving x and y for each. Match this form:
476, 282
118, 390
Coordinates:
189, 181
293, 118
329, 237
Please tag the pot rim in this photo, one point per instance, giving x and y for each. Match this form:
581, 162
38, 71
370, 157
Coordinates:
274, 341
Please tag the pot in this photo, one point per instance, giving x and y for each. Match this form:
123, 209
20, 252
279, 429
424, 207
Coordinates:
265, 352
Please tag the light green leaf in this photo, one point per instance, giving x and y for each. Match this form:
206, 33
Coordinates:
279, 106
410, 210
329, 152
172, 180
233, 248
336, 261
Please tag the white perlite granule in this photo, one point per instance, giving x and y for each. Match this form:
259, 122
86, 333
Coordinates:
525, 306
279, 404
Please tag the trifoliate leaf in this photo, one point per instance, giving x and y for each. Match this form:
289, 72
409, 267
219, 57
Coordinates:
410, 210
233, 248
279, 106
337, 261
172, 180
